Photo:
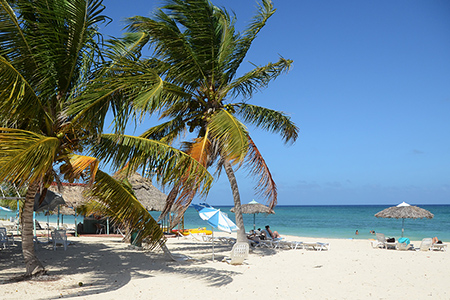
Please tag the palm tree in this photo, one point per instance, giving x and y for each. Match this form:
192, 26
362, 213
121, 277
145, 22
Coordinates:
197, 49
49, 56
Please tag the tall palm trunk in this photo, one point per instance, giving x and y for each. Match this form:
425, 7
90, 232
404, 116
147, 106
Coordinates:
241, 236
32, 263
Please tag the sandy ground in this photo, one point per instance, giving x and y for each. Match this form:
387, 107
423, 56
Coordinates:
110, 269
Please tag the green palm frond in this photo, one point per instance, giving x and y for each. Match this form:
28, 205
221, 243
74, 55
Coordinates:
25, 156
270, 120
265, 11
122, 82
18, 100
172, 44
258, 78
14, 43
257, 167
166, 132
51, 41
117, 200
77, 20
230, 134
127, 48
172, 165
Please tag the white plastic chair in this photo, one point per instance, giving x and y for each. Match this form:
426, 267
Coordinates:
239, 253
59, 237
3, 237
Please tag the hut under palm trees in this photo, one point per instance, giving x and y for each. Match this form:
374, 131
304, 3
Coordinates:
149, 196
74, 195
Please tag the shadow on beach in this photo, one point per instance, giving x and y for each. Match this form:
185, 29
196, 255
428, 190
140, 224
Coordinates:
109, 265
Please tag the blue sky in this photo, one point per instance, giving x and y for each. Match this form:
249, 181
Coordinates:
369, 90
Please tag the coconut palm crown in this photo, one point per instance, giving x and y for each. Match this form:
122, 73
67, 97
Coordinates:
197, 49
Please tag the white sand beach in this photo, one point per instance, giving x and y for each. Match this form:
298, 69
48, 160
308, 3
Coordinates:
110, 269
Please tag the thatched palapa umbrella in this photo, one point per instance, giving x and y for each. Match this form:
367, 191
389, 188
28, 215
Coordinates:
72, 194
150, 197
404, 211
254, 208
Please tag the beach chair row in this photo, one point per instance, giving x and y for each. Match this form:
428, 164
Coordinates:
403, 244
283, 244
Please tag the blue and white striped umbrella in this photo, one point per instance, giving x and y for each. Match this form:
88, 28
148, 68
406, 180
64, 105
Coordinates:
4, 208
217, 219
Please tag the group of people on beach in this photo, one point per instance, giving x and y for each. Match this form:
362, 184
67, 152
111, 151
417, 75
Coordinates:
264, 234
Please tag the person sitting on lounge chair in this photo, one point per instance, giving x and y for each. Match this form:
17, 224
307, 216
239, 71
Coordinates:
253, 238
436, 241
271, 234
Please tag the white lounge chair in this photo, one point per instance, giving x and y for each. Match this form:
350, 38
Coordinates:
282, 244
296, 245
381, 241
227, 240
316, 246
59, 237
426, 244
404, 246
439, 247
175, 257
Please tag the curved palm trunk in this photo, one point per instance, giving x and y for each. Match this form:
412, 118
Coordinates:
241, 236
32, 263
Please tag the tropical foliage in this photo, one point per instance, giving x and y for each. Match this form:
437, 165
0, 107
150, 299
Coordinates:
50, 53
197, 52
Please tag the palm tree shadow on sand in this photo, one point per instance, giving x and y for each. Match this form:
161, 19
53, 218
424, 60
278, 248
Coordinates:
109, 267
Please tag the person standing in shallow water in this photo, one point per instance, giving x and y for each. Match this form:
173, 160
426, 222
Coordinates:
356, 232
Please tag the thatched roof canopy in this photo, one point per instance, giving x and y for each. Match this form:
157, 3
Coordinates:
72, 194
150, 197
404, 212
254, 209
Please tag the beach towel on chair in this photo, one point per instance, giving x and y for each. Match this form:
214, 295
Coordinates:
404, 240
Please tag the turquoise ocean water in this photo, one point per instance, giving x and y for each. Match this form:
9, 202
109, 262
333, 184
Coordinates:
340, 221
324, 221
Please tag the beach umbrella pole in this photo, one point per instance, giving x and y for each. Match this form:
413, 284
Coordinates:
254, 222
18, 215
48, 227
34, 223
76, 228
403, 226
212, 239
57, 225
